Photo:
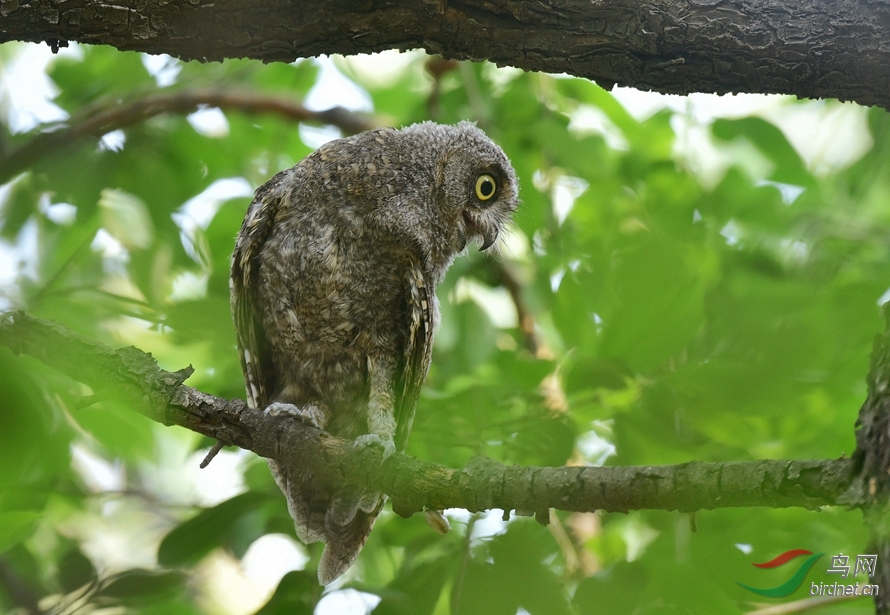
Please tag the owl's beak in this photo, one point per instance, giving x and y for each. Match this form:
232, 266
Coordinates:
488, 238
486, 231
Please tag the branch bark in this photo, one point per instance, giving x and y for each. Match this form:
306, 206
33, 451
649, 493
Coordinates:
810, 48
414, 484
873, 455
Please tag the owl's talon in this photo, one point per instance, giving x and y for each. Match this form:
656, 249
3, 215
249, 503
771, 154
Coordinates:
310, 415
281, 409
372, 439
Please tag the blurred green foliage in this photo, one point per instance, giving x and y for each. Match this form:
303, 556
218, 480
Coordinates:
678, 319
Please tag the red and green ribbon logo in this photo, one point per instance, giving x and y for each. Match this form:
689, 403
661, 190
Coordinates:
788, 587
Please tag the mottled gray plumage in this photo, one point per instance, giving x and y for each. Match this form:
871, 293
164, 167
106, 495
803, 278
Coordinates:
333, 296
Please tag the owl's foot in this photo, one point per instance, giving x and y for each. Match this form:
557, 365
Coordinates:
348, 502
309, 415
372, 439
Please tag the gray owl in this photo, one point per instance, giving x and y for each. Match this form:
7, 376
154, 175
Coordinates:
333, 296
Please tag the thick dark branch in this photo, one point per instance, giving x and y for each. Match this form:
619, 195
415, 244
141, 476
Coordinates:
413, 484
811, 48
102, 118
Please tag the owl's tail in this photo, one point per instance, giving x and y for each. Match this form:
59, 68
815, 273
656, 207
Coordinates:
340, 516
348, 524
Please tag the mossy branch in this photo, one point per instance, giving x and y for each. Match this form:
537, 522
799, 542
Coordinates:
412, 483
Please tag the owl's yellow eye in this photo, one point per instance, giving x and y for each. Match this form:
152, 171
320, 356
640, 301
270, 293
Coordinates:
485, 187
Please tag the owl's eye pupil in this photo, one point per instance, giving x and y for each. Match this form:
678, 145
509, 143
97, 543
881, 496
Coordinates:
485, 187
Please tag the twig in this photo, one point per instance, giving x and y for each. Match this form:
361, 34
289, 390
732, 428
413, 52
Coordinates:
565, 543
102, 118
458, 591
75, 254
478, 106
523, 314
213, 452
437, 66
89, 400
799, 606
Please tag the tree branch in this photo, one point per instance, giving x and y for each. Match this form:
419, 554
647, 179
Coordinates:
811, 48
873, 456
102, 118
414, 484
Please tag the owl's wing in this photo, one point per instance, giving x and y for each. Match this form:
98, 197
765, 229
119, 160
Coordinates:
255, 350
418, 352
253, 347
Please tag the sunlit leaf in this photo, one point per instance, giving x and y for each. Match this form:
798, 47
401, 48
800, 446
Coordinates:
125, 216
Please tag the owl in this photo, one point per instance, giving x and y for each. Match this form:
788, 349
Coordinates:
333, 293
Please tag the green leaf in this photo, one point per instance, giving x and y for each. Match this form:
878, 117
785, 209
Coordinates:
126, 218
136, 587
18, 205
75, 570
119, 428
189, 542
101, 74
482, 588
16, 526
519, 568
619, 587
658, 304
297, 594
416, 590
772, 143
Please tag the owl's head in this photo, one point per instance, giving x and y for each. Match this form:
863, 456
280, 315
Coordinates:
478, 185
473, 188
431, 187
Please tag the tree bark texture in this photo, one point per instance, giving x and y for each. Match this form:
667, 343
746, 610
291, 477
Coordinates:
414, 484
872, 458
810, 48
